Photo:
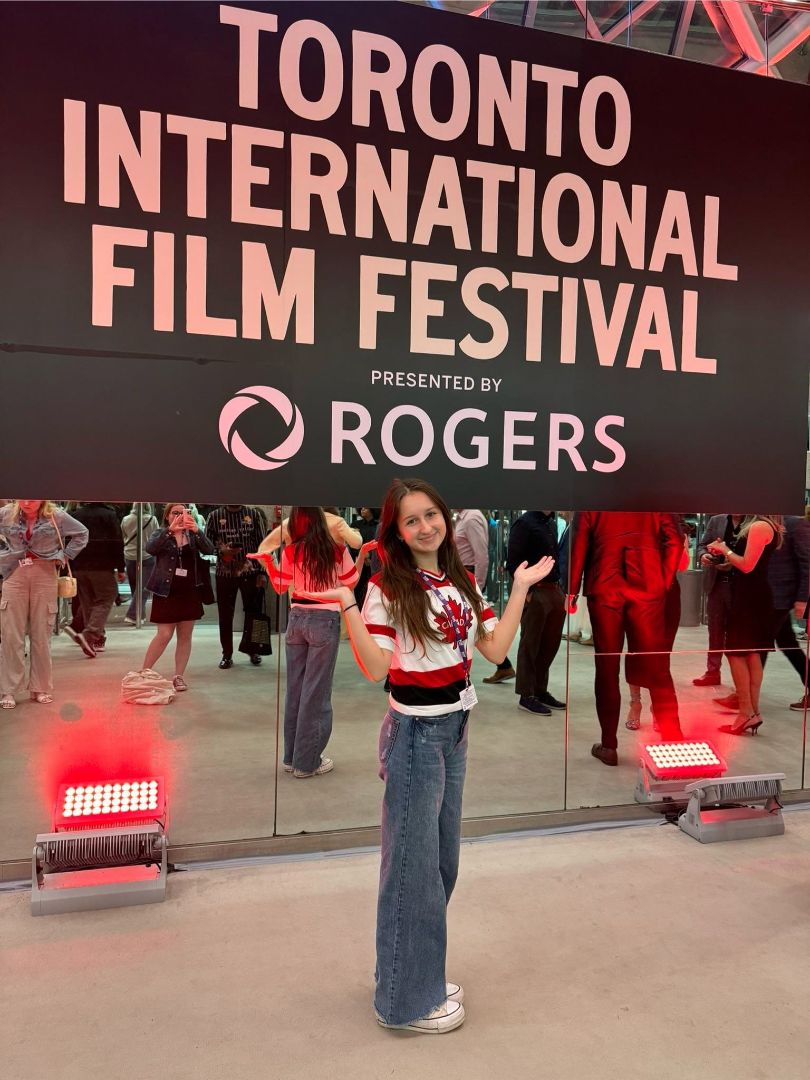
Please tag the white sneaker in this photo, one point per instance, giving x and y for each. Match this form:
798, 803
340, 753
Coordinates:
455, 992
325, 766
445, 1017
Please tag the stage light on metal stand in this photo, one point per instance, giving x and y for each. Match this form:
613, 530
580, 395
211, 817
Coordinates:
734, 808
665, 768
107, 848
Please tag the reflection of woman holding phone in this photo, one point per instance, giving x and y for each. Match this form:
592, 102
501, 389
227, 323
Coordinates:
180, 584
750, 616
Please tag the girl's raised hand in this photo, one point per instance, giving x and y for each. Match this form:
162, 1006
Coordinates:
265, 558
359, 562
527, 576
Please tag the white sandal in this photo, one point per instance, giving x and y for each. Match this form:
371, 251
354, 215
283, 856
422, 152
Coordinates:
42, 699
7, 701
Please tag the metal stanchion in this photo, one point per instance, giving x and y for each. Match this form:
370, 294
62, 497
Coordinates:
139, 568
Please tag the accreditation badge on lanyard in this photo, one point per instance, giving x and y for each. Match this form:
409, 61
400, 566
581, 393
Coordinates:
468, 698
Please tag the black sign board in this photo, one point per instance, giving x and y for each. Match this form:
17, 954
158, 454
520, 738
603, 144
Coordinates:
284, 252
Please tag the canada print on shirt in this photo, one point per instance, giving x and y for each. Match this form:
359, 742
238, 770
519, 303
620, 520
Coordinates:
462, 615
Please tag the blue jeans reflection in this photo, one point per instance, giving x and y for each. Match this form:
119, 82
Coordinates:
311, 645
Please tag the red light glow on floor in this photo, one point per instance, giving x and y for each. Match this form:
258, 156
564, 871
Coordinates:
92, 736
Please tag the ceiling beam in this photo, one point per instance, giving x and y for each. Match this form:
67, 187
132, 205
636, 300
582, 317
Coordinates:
591, 29
638, 11
681, 29
743, 26
714, 9
780, 44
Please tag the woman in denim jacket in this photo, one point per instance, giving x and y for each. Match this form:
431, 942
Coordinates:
180, 583
31, 554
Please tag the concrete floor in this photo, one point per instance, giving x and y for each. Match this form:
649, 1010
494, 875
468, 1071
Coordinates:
630, 954
216, 745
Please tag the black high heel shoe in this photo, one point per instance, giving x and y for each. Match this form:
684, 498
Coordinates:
750, 727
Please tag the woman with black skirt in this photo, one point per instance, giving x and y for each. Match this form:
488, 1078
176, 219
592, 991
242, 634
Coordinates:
180, 584
750, 617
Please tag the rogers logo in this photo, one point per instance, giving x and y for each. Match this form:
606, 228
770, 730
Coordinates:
234, 443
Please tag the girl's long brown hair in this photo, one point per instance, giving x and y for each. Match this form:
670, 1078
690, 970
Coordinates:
313, 546
408, 602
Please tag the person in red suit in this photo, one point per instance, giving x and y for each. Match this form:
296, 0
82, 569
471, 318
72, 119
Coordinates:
629, 561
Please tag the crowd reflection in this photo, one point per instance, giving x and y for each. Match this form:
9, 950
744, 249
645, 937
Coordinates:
652, 593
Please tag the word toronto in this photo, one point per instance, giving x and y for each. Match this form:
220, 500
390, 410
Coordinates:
547, 203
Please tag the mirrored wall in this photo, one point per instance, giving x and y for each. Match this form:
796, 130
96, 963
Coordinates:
667, 639
719, 655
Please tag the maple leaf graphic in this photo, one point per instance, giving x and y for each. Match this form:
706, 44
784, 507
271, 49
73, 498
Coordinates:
462, 616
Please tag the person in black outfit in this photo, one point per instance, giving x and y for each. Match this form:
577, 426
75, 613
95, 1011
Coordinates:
180, 583
98, 569
629, 561
366, 524
750, 622
234, 530
789, 578
717, 586
532, 536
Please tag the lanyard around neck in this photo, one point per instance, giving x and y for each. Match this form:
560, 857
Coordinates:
460, 640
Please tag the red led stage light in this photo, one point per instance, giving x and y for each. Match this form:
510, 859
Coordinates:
682, 760
108, 847
110, 804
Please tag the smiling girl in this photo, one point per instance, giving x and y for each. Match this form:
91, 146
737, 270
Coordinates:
422, 617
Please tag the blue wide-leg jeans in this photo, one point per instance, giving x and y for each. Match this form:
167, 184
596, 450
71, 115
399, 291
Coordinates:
423, 762
311, 647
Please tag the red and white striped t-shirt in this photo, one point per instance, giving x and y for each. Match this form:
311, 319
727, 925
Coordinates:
292, 571
426, 680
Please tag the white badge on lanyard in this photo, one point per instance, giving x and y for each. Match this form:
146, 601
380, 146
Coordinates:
180, 572
26, 562
468, 698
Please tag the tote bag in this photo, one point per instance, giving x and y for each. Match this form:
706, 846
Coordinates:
257, 637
